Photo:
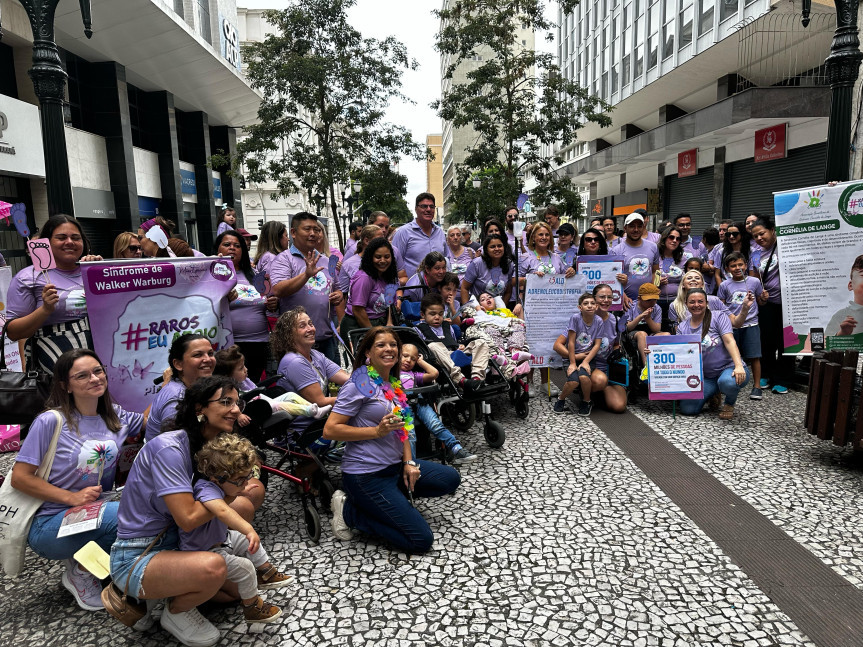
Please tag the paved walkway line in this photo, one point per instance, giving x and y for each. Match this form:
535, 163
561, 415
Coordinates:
823, 605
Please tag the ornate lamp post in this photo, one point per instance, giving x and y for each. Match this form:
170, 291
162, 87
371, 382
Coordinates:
318, 199
349, 199
49, 83
843, 65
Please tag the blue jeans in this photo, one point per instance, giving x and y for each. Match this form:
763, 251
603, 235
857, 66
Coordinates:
725, 383
378, 505
329, 347
429, 417
45, 543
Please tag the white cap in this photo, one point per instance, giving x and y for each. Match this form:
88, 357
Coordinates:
632, 218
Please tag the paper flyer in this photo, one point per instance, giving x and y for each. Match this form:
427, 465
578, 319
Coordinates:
82, 518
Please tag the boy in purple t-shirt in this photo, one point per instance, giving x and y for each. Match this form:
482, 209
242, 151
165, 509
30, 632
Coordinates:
734, 292
643, 318
227, 462
410, 378
584, 338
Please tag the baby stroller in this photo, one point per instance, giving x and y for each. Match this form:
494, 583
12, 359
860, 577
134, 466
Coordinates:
296, 462
458, 410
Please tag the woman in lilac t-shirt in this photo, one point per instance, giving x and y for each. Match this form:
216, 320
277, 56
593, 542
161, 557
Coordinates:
378, 468
374, 288
49, 305
158, 498
249, 308
723, 370
92, 433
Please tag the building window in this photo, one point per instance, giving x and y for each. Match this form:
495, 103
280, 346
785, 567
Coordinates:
727, 9
639, 60
614, 81
652, 50
178, 8
686, 18
605, 85
203, 20
705, 16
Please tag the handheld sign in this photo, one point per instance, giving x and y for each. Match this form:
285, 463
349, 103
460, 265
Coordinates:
334, 260
42, 254
603, 270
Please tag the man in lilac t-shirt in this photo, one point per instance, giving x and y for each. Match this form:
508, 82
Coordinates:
640, 257
416, 239
300, 277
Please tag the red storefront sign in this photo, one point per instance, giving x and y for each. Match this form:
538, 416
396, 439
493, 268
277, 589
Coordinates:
687, 163
770, 143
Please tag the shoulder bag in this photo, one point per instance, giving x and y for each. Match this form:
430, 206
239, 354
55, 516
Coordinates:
22, 395
17, 510
118, 604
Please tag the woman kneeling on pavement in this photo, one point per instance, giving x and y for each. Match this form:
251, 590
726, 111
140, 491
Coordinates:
158, 501
93, 429
724, 371
378, 471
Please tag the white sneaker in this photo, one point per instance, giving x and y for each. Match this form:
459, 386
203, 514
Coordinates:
552, 391
149, 619
531, 391
190, 628
85, 587
340, 528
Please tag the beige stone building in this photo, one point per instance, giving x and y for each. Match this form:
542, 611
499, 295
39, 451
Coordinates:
434, 168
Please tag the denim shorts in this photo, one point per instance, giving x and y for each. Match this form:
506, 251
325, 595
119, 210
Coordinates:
573, 377
124, 552
748, 341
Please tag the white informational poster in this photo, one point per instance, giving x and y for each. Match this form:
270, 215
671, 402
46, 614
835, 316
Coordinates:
13, 356
819, 233
674, 368
549, 302
603, 270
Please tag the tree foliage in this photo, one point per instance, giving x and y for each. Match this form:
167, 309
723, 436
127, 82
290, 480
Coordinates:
325, 90
515, 99
384, 189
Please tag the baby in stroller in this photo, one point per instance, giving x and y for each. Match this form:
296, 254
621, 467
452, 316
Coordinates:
415, 372
501, 330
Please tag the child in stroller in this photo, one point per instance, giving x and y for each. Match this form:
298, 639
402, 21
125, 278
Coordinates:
501, 330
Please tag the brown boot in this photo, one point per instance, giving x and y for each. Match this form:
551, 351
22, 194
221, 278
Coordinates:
260, 611
273, 578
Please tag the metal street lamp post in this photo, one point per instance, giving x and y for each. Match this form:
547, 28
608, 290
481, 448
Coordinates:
477, 184
843, 65
49, 83
349, 199
318, 199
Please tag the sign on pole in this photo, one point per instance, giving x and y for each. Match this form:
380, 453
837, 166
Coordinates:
674, 369
603, 270
549, 302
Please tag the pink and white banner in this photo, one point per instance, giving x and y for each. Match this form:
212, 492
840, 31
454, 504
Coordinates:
138, 307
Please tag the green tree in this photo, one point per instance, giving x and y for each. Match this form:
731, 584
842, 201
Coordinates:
516, 100
325, 89
384, 189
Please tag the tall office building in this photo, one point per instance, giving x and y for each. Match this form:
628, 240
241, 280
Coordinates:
716, 103
434, 168
457, 140
149, 98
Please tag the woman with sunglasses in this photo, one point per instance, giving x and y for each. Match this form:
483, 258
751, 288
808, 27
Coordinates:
592, 244
92, 431
672, 259
127, 245
737, 239
157, 501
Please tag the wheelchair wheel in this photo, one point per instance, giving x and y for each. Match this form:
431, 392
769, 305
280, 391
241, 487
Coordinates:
313, 523
522, 408
494, 434
326, 489
460, 415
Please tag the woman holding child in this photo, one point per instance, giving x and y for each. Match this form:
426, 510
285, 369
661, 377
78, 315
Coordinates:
378, 470
158, 502
92, 430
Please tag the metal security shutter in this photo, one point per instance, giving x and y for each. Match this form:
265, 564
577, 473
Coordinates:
749, 186
101, 235
692, 195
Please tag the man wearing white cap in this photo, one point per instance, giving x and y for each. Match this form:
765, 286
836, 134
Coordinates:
640, 257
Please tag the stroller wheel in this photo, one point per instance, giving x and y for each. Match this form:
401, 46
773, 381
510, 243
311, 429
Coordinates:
313, 523
326, 489
522, 408
513, 391
495, 436
460, 415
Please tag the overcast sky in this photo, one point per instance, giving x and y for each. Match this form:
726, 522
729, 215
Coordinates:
412, 22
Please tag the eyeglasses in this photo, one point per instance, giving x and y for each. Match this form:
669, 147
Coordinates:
732, 234
229, 403
674, 238
606, 297
425, 207
134, 248
62, 238
84, 376
591, 239
240, 482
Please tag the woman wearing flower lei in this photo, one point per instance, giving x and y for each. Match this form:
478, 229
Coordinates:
379, 473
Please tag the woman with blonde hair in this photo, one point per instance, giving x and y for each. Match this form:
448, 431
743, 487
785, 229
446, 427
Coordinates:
127, 245
678, 312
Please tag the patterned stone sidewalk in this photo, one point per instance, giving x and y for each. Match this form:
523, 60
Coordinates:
555, 539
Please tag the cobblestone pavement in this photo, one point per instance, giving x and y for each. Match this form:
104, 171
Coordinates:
555, 539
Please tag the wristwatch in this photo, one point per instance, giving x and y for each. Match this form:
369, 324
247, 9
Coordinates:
412, 463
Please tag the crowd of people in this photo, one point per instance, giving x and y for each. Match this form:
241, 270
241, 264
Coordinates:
182, 532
